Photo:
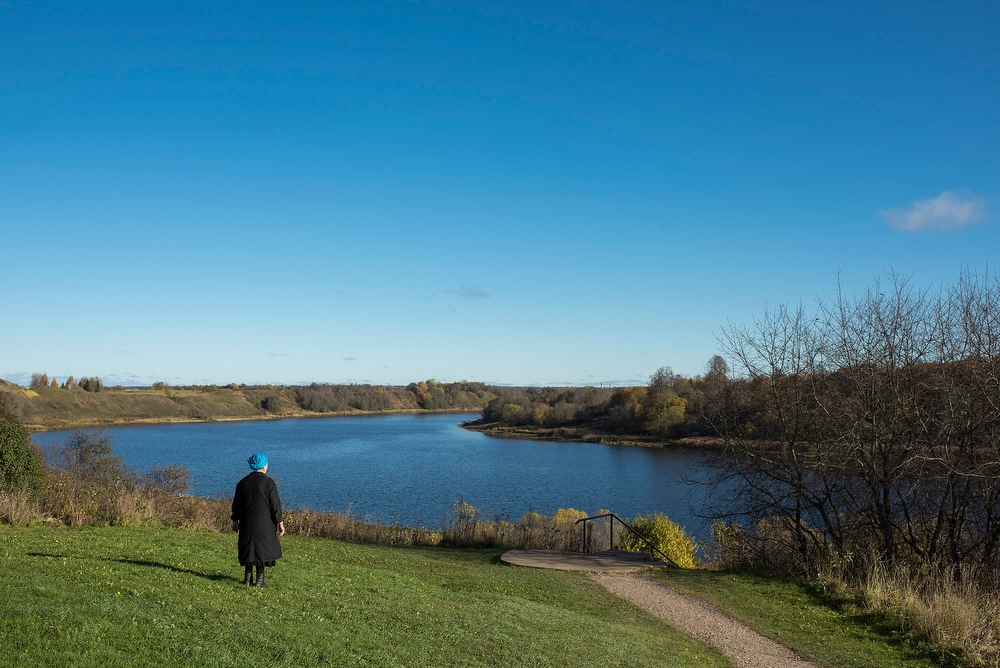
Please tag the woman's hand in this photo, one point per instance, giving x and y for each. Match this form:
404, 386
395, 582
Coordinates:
281, 528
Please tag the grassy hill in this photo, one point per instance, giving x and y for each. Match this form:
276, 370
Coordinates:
56, 408
117, 596
45, 407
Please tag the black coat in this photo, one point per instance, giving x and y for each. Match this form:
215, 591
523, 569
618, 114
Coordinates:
257, 508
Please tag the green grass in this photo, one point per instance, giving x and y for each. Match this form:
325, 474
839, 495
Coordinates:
832, 636
150, 596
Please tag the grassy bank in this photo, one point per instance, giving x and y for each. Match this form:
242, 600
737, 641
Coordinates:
49, 408
829, 632
140, 596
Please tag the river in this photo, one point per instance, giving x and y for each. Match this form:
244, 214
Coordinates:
412, 468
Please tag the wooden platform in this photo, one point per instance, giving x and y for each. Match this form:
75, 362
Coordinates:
609, 561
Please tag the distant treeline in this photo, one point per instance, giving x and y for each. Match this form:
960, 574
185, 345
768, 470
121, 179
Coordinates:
93, 384
669, 407
427, 395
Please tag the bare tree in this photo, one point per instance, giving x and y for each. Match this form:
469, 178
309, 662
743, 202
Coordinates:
871, 424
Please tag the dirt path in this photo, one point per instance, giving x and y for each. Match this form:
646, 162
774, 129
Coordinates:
701, 620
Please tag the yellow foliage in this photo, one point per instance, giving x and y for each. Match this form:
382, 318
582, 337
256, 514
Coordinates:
567, 518
542, 414
668, 537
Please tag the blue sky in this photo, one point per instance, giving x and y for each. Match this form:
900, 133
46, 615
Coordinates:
522, 193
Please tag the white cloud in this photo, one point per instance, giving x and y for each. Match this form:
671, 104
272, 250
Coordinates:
951, 210
469, 292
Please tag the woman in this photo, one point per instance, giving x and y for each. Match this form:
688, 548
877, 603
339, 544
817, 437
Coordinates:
257, 517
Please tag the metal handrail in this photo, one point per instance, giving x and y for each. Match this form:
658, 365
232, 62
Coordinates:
652, 548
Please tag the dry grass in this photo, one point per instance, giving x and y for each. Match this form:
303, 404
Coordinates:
77, 499
466, 528
960, 618
19, 510
533, 531
956, 614
306, 522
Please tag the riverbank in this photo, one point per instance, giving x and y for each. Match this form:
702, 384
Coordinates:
586, 434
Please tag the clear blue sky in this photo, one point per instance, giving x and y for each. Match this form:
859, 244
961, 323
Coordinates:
537, 193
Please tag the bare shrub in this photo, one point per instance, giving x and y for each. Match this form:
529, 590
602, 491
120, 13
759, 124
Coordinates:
192, 512
170, 479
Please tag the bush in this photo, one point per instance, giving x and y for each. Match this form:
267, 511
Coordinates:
88, 454
667, 536
170, 479
21, 468
271, 404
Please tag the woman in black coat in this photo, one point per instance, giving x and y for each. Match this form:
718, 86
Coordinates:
257, 516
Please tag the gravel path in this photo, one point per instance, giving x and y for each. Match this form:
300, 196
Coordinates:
701, 620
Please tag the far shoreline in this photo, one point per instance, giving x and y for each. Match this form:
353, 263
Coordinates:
493, 430
149, 422
578, 435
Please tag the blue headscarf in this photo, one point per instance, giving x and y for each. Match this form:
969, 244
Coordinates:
257, 461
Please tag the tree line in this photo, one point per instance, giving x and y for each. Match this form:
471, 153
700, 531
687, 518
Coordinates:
668, 408
867, 428
92, 384
427, 395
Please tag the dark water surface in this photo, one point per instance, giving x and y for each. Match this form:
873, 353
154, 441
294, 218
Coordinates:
414, 467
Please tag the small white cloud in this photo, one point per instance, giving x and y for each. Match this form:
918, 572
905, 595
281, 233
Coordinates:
951, 210
469, 292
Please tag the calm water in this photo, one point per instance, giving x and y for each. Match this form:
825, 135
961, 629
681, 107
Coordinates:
414, 467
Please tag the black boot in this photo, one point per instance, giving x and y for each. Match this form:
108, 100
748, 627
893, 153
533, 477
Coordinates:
260, 577
248, 575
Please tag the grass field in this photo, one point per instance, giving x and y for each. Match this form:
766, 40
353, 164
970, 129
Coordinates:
114, 596
832, 636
